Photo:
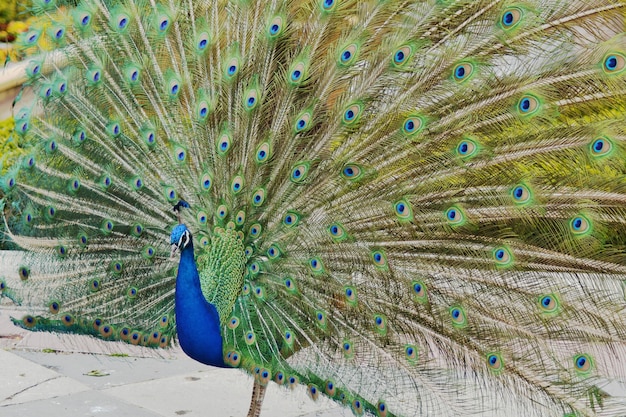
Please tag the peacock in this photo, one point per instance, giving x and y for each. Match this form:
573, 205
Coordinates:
414, 208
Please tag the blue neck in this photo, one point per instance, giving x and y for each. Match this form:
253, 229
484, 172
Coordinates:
197, 321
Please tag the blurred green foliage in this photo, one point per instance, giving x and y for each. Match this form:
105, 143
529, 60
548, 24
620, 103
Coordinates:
10, 152
11, 10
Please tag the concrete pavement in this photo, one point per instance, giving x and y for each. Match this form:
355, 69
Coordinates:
40, 376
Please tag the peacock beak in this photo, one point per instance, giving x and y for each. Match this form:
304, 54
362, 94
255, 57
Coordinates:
174, 250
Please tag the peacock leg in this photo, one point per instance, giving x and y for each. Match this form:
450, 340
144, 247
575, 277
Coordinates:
258, 393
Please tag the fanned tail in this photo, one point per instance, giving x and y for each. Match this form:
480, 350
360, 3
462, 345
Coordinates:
430, 196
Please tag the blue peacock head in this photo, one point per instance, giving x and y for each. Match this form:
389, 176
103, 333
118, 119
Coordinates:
181, 236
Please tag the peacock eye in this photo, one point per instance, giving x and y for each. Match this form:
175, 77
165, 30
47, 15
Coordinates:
602, 146
528, 105
614, 63
511, 18
463, 71
402, 55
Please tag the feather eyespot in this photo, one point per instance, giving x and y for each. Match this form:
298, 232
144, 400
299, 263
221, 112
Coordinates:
463, 72
495, 362
411, 353
320, 319
290, 285
583, 364
54, 307
275, 27
279, 378
420, 293
263, 153
51, 146
122, 22
170, 194
602, 146
351, 295
457, 314
614, 63
264, 376
114, 129
337, 232
205, 182
254, 269
135, 337
29, 321
328, 5
94, 76
521, 194
466, 148
380, 259
24, 272
352, 113
412, 125
511, 17
381, 409
33, 69
255, 230
202, 41
299, 172
549, 303
316, 266
83, 239
303, 122
348, 55
240, 218
250, 338
231, 68
291, 219
201, 217
330, 388
148, 252
132, 74
79, 137
96, 324
67, 320
352, 172
313, 392
251, 99
94, 285
503, 256
380, 324
221, 212
258, 197
528, 105
237, 184
273, 252
455, 216
61, 251
297, 73
32, 37
357, 407
288, 337
202, 110
402, 55
164, 23
403, 210
107, 227
293, 381
580, 225
347, 348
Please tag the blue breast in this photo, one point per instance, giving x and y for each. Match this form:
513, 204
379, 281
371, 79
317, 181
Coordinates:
197, 321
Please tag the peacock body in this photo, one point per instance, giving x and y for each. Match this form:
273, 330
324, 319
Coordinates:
411, 207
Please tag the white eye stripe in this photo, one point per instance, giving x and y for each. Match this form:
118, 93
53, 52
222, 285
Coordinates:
184, 239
